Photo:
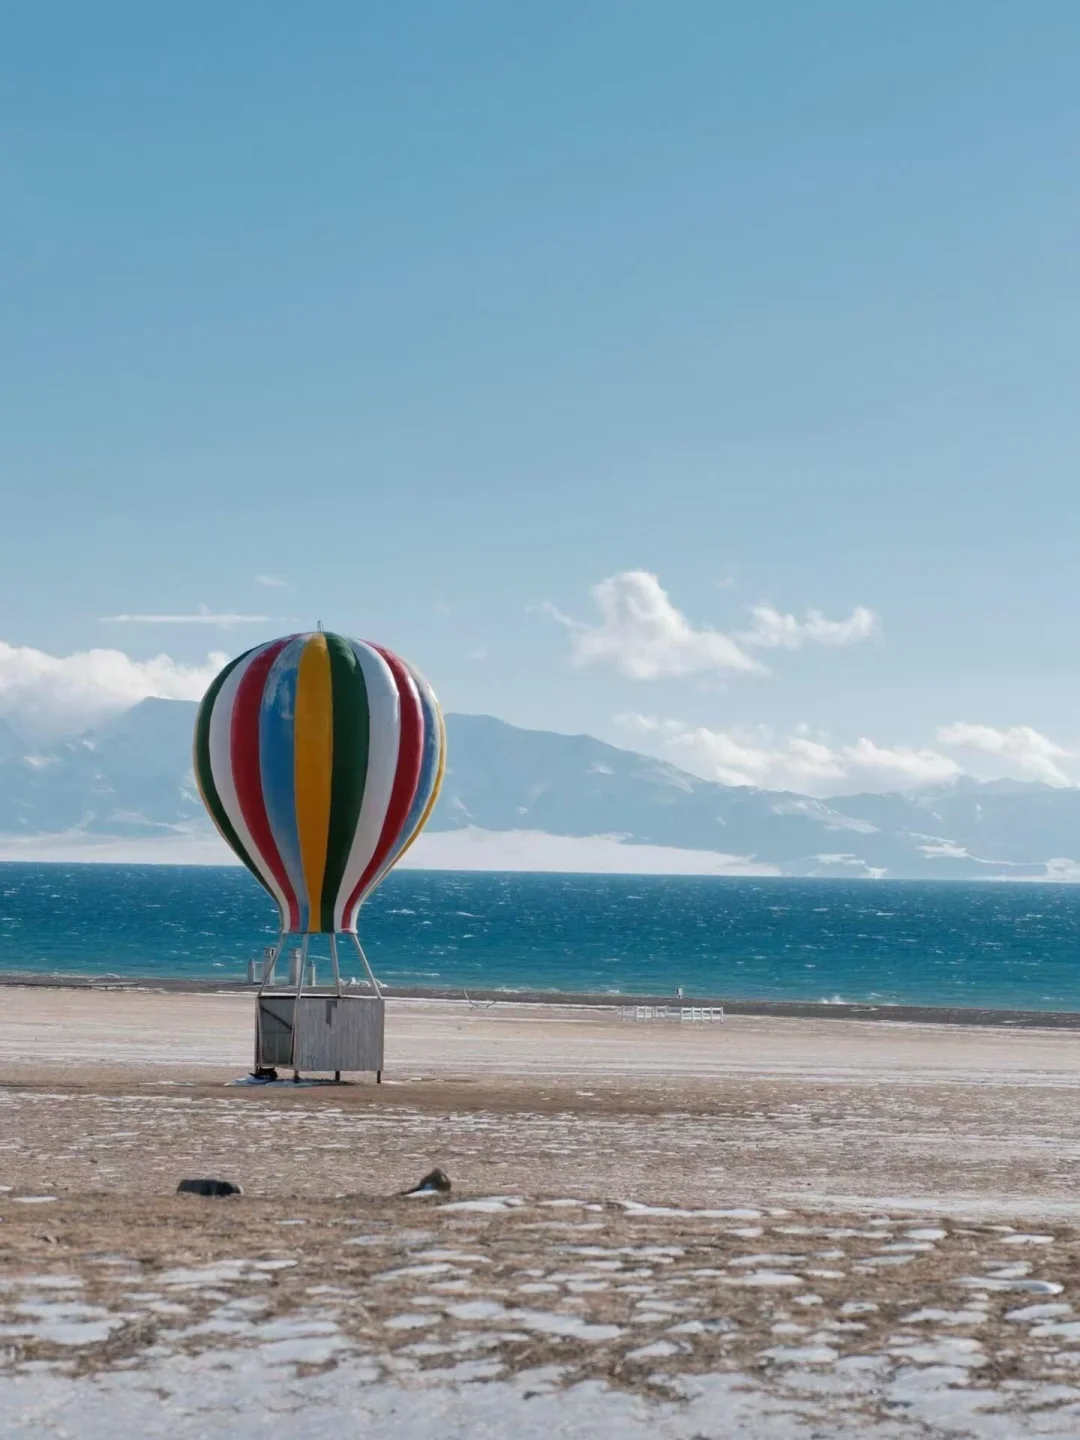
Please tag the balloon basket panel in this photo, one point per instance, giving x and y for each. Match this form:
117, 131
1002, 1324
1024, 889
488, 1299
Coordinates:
320, 1032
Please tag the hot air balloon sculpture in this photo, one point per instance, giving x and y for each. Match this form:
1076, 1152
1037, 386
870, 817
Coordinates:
319, 759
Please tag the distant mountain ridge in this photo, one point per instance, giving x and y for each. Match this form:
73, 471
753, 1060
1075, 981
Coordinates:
132, 778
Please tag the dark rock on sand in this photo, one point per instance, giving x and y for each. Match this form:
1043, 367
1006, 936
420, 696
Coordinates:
434, 1182
212, 1188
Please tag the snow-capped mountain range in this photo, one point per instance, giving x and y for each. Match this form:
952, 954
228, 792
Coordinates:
531, 799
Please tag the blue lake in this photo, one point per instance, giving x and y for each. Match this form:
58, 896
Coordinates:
901, 941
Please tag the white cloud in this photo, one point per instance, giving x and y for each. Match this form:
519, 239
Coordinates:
44, 696
794, 762
643, 636
774, 631
202, 616
272, 582
1023, 749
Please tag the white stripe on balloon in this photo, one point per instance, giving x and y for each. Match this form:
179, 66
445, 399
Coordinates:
221, 770
416, 681
384, 739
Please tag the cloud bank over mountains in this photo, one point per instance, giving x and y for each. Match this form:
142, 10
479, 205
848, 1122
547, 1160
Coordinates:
799, 761
47, 697
44, 697
1019, 748
813, 763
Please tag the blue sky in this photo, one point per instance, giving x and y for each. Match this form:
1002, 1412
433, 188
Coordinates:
444, 314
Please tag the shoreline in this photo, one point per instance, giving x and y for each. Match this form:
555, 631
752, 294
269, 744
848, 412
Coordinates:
957, 1015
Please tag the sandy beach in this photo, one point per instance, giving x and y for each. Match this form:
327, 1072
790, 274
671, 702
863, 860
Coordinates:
769, 1226
541, 1098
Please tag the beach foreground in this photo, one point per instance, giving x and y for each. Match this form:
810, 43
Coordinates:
762, 1228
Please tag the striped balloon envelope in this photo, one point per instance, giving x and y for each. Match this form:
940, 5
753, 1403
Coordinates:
319, 759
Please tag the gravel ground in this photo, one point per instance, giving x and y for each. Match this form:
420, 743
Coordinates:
769, 1228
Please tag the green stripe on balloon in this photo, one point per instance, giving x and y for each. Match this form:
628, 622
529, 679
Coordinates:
204, 774
349, 766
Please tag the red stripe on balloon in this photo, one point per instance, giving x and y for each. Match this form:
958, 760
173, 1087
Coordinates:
247, 771
406, 776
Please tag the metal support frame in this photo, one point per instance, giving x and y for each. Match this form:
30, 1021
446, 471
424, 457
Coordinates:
270, 965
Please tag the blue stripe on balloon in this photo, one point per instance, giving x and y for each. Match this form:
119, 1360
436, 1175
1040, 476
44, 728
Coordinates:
429, 763
277, 721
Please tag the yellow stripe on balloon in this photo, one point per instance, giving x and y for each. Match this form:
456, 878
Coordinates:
314, 756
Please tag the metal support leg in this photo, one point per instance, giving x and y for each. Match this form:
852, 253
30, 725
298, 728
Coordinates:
367, 967
267, 976
334, 963
374, 983
272, 959
305, 942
